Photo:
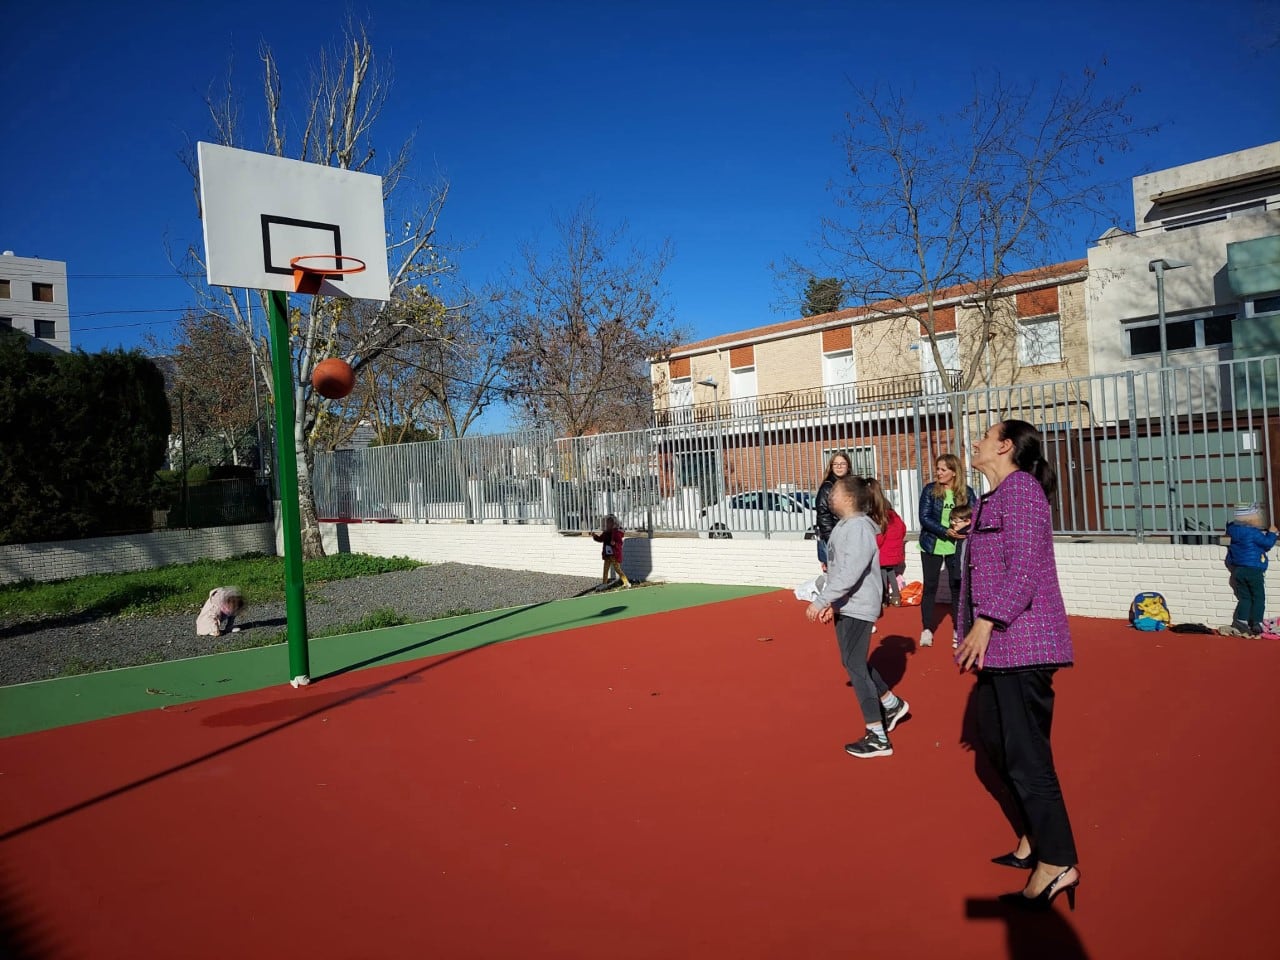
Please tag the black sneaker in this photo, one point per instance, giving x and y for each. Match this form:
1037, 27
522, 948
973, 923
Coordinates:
893, 717
870, 746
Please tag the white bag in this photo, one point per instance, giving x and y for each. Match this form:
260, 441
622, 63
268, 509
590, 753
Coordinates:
810, 590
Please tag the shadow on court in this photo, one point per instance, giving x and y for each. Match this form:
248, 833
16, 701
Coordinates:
294, 711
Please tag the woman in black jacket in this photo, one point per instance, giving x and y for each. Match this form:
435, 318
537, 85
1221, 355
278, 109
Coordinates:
838, 466
939, 540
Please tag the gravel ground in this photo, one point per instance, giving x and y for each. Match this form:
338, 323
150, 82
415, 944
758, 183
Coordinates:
38, 650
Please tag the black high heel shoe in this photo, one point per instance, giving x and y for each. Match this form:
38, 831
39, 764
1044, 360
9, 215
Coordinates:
1015, 861
1044, 900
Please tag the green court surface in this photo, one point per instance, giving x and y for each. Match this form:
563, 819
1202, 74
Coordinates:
28, 707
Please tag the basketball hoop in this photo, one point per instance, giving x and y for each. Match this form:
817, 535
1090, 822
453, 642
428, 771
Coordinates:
308, 277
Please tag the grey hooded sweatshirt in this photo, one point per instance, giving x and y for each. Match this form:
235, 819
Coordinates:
854, 587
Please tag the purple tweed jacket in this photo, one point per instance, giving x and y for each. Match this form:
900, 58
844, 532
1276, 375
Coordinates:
1011, 578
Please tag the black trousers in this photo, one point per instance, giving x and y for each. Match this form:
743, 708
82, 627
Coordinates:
932, 566
1015, 715
854, 637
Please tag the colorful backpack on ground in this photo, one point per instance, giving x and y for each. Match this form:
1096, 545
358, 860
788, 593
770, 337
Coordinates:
1149, 612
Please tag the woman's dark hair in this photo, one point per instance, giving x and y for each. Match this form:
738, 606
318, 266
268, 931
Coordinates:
1028, 454
858, 491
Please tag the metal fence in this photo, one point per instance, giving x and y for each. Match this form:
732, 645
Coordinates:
505, 477
1142, 453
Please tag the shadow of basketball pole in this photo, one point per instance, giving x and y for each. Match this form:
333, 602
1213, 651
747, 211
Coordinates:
324, 706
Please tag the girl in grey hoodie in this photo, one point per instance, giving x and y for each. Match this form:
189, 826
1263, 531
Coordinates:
852, 598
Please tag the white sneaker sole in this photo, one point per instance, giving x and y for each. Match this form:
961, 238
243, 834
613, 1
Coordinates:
890, 723
868, 756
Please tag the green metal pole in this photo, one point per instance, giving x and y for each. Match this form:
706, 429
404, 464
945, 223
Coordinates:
295, 599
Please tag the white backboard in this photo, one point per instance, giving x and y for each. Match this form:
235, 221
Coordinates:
261, 211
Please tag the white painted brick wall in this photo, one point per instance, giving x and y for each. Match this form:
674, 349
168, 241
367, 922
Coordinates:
143, 551
1098, 580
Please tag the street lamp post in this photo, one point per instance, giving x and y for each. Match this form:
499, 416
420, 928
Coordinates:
1172, 470
715, 388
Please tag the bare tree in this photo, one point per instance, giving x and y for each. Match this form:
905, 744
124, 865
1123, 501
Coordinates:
435, 381
345, 98
1002, 187
458, 369
584, 320
209, 373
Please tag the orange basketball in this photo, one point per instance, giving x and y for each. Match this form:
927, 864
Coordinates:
333, 378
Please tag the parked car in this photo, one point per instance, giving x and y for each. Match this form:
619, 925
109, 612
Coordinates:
756, 511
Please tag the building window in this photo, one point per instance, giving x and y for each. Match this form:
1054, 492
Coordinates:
1259, 306
863, 459
42, 292
931, 381
742, 390
1212, 216
46, 329
1217, 331
4, 289
1039, 341
682, 392
838, 377
6, 323
1144, 340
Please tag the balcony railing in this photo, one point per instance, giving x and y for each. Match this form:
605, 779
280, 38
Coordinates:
906, 387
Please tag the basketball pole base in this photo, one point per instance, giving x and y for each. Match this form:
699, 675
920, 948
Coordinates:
295, 597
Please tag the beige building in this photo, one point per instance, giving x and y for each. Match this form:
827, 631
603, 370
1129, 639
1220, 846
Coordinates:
1037, 332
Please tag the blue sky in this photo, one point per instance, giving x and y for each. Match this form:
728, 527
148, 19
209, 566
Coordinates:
709, 123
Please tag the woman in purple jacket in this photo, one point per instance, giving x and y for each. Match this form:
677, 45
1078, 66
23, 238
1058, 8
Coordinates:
1016, 635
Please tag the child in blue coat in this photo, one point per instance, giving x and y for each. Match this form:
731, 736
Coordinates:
1247, 561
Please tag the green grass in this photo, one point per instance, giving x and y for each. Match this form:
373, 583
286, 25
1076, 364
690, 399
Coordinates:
178, 589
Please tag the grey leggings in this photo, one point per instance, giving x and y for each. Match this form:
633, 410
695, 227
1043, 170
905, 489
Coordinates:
854, 637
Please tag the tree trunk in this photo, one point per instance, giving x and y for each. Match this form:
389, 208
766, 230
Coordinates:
312, 543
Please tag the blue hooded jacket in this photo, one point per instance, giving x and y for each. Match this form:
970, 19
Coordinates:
1249, 545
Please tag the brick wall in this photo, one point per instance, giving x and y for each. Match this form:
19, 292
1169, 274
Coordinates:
794, 363
1098, 580
144, 551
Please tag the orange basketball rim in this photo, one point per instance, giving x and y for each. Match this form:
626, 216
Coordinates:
311, 269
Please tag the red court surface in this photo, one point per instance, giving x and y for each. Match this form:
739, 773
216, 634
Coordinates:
665, 786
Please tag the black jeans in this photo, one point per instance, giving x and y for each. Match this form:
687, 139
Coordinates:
932, 564
854, 637
1015, 715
